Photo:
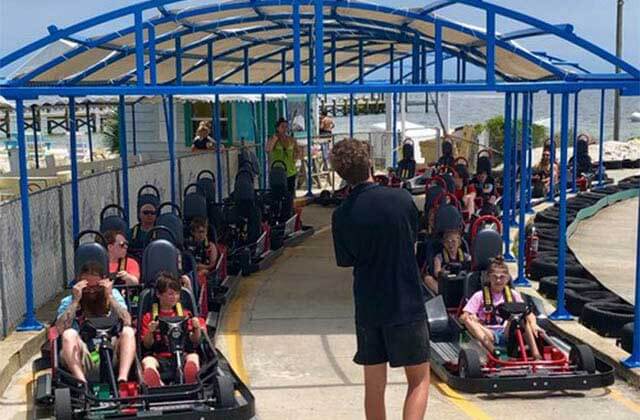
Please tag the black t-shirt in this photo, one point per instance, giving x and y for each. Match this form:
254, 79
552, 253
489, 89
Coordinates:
374, 231
201, 144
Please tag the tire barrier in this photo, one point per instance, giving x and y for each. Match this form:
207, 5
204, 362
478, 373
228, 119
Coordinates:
597, 307
548, 286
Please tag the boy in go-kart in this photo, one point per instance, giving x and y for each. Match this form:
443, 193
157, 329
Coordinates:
481, 318
93, 296
126, 270
452, 255
155, 346
204, 251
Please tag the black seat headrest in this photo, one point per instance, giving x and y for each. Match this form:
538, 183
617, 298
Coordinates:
207, 184
195, 202
448, 218
93, 251
159, 255
152, 197
174, 224
244, 189
115, 222
486, 245
278, 177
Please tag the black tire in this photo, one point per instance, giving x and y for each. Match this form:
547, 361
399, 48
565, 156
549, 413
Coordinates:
325, 198
62, 407
225, 392
569, 258
608, 190
548, 234
592, 196
627, 163
613, 164
582, 357
469, 364
575, 300
607, 318
552, 215
549, 285
277, 239
545, 226
550, 247
626, 337
548, 266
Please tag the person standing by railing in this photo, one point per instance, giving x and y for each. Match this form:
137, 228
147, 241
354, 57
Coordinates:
283, 147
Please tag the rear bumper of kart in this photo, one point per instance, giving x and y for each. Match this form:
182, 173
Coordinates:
488, 385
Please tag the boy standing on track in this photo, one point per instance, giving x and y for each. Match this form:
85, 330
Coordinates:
374, 231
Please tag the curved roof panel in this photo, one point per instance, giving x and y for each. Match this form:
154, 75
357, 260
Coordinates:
260, 33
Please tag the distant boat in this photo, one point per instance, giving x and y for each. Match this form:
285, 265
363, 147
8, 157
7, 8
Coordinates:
635, 117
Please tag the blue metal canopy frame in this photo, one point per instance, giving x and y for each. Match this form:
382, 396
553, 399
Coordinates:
316, 29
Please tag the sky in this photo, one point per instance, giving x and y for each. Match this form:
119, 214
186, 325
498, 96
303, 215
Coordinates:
24, 21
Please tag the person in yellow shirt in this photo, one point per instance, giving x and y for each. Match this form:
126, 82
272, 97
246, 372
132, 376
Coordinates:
283, 147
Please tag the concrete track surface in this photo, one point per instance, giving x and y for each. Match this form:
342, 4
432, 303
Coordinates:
289, 332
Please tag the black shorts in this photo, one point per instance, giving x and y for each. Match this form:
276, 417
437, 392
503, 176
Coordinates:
400, 345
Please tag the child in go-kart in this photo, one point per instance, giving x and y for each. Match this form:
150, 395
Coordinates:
204, 251
464, 192
155, 347
485, 324
93, 296
452, 253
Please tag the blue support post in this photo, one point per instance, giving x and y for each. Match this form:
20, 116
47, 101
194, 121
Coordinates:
283, 64
311, 58
151, 32
178, 61
309, 140
601, 141
634, 360
574, 182
73, 156
139, 27
218, 133
171, 145
522, 280
89, 134
552, 151
296, 43
394, 128
561, 312
30, 322
245, 67
122, 135
134, 135
530, 155
360, 62
333, 58
491, 48
210, 77
319, 38
263, 140
438, 52
351, 115
34, 127
506, 222
514, 161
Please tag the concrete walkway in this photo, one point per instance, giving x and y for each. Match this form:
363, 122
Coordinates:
289, 333
606, 245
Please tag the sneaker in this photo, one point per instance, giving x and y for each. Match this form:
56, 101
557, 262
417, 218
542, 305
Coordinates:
151, 377
191, 372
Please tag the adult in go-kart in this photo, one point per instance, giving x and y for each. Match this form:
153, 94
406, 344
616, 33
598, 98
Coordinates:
483, 319
93, 296
156, 346
124, 269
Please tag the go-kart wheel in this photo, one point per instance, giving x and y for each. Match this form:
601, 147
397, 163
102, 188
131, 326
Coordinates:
62, 407
582, 356
469, 364
225, 392
325, 198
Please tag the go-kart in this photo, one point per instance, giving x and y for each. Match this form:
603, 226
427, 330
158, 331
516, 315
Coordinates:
464, 364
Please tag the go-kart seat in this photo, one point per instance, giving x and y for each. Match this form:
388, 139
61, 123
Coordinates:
440, 328
487, 244
148, 198
93, 251
173, 223
195, 203
115, 222
159, 255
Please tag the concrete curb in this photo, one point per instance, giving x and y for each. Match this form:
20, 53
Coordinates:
15, 351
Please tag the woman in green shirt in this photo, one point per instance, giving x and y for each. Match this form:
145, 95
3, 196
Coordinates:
281, 146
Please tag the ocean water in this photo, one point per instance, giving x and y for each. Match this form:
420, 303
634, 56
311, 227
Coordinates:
473, 108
